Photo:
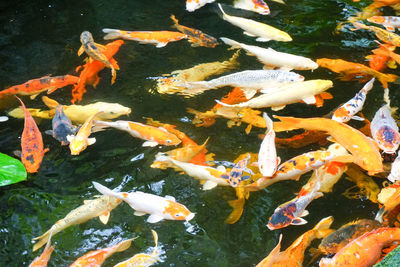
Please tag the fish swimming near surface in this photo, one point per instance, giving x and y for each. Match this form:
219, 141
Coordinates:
158, 38
293, 256
44, 258
31, 143
142, 259
98, 207
194, 36
383, 35
389, 22
159, 208
389, 197
93, 51
258, 6
153, 135
263, 32
192, 5
394, 174
235, 175
62, 126
79, 142
347, 111
385, 131
272, 58
36, 86
98, 257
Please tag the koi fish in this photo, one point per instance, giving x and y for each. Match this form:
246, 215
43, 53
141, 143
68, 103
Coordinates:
390, 198
31, 143
248, 79
194, 36
192, 5
62, 126
267, 159
303, 139
159, 208
154, 136
81, 140
336, 240
292, 211
365, 250
286, 94
389, 22
263, 32
89, 71
394, 175
93, 51
385, 131
383, 35
274, 59
44, 258
363, 149
368, 187
258, 6
143, 259
350, 70
294, 255
98, 257
158, 38
99, 207
346, 111
36, 86
235, 175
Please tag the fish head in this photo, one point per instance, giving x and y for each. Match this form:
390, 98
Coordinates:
176, 211
86, 37
111, 110
282, 217
77, 145
376, 19
342, 114
261, 7
387, 139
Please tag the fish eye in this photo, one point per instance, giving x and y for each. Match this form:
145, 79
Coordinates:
169, 141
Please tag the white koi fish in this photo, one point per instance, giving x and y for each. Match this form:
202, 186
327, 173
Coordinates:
286, 94
192, 5
267, 159
159, 208
346, 111
253, 28
385, 131
394, 175
389, 22
258, 6
271, 58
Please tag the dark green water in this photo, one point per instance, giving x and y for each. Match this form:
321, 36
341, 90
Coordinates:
42, 37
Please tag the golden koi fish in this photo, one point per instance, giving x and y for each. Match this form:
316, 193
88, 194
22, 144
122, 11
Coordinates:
383, 35
81, 140
44, 258
365, 183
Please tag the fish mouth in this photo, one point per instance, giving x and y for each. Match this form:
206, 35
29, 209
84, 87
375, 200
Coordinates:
271, 227
189, 217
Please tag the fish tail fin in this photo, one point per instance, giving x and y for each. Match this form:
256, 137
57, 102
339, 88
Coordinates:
286, 123
224, 15
99, 126
43, 239
105, 191
322, 228
368, 86
49, 249
111, 34
387, 78
49, 102
174, 20
124, 245
230, 42
237, 211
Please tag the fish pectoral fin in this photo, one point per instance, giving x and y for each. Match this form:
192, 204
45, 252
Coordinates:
299, 221
170, 198
221, 168
304, 213
248, 129
139, 213
91, 141
310, 100
49, 132
249, 34
70, 138
159, 45
81, 50
154, 218
277, 108
358, 118
104, 217
209, 185
51, 89
268, 67
285, 68
150, 144
262, 39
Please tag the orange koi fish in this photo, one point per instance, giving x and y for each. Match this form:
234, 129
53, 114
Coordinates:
158, 38
196, 37
383, 35
154, 136
303, 139
31, 143
97, 258
386, 50
258, 6
36, 86
336, 240
350, 70
93, 51
89, 72
389, 22
81, 140
385, 131
293, 256
44, 258
346, 112
390, 198
363, 251
363, 149
143, 259
367, 186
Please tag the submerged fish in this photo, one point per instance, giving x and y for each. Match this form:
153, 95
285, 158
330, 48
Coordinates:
44, 258
192, 5
385, 131
383, 35
389, 22
258, 6
81, 140
62, 126
390, 198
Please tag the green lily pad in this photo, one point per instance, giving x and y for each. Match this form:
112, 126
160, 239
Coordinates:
11, 170
391, 260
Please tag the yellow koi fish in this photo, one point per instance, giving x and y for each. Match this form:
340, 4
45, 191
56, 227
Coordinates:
383, 35
99, 207
81, 140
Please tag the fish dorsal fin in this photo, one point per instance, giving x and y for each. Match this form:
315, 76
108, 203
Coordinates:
150, 144
309, 100
153, 218
104, 217
170, 198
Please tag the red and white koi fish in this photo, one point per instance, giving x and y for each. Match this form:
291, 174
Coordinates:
81, 140
389, 22
258, 6
36, 86
159, 208
274, 59
385, 131
394, 175
267, 159
96, 258
292, 211
192, 5
31, 143
346, 112
44, 258
158, 38
153, 135
235, 175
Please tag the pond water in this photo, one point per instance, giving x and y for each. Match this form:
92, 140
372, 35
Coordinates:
42, 37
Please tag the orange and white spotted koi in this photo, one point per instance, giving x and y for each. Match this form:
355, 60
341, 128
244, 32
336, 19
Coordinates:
258, 6
159, 208
346, 112
389, 22
192, 5
385, 131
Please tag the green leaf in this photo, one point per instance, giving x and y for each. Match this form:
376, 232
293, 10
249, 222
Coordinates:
11, 170
391, 260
